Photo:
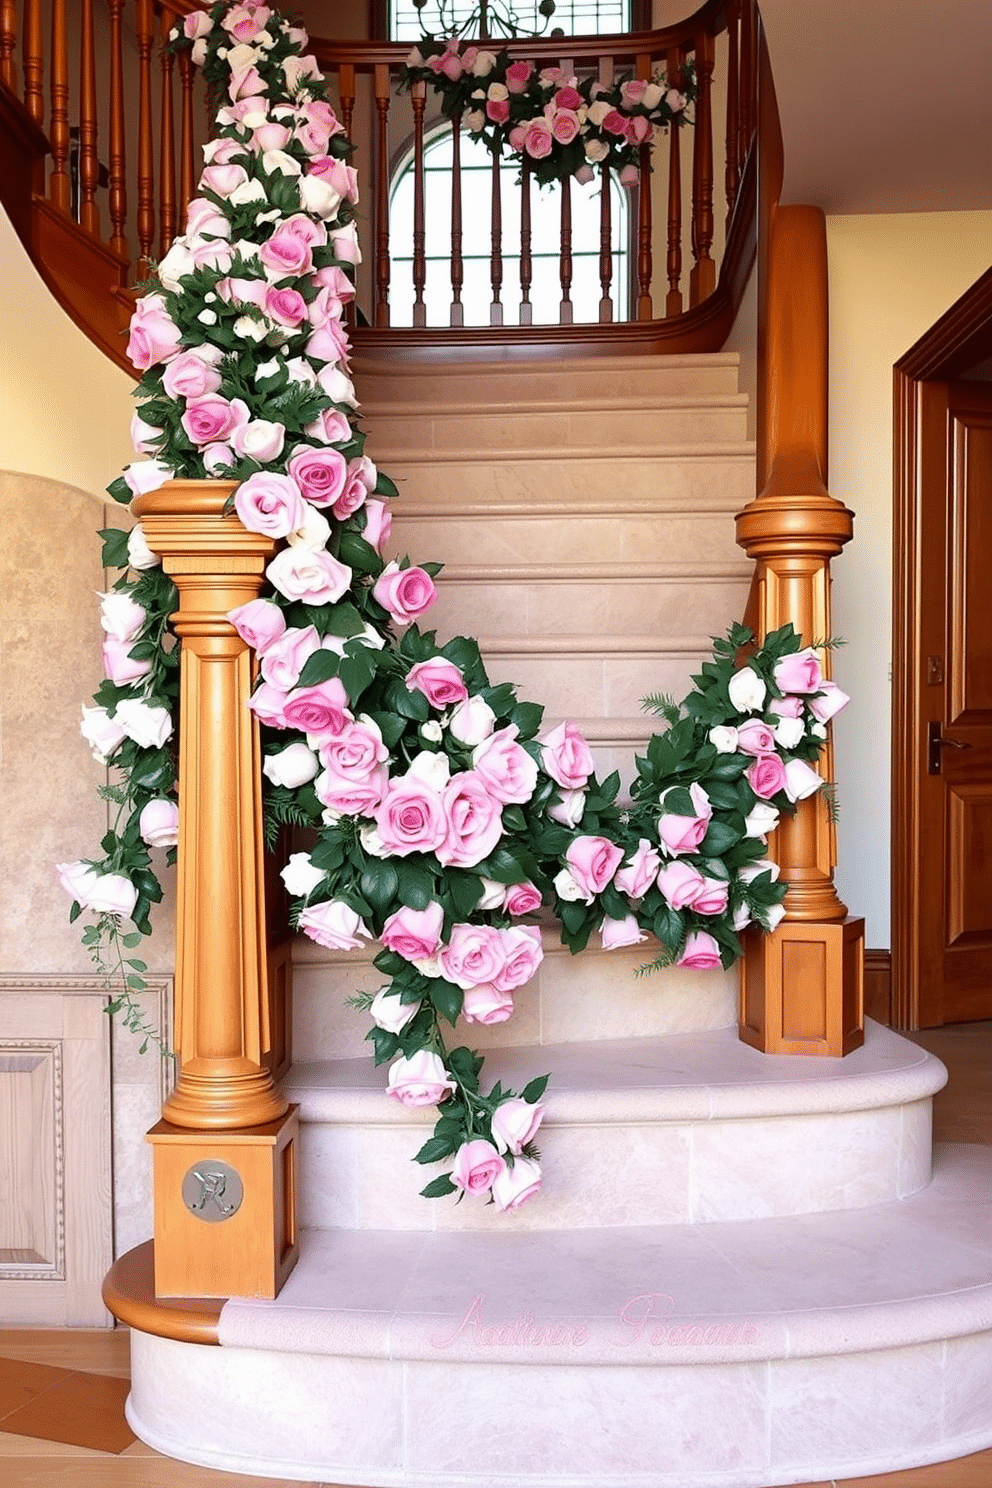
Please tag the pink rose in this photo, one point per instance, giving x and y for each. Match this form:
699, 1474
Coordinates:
333, 278
787, 707
329, 343
766, 776
565, 126
258, 623
270, 503
411, 817
516, 1185
523, 953
538, 139
682, 834
248, 83
755, 737
570, 809
159, 823
593, 861
344, 241
120, 666
334, 924
191, 375
203, 216
286, 307
329, 427
486, 1004
284, 658
801, 780
828, 701
679, 884
320, 474
498, 110
360, 480
800, 672
286, 254
568, 98
451, 66
439, 680
617, 933
712, 897
475, 821
352, 797
514, 1123
154, 337
615, 123
196, 25
474, 955
476, 1165
318, 710
701, 952
355, 752
633, 91
522, 898
267, 704
271, 137
637, 876
245, 22
414, 934
638, 129
518, 76
309, 574
223, 179
213, 419
343, 178
566, 756
378, 524
420, 1080
405, 593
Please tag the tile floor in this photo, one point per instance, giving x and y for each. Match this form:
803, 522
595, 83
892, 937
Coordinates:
62, 1393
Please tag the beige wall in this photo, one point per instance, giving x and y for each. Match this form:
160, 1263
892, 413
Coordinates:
891, 277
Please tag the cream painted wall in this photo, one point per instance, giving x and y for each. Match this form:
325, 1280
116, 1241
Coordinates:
891, 277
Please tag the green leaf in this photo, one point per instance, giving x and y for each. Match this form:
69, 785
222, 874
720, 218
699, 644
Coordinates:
390, 726
416, 885
75, 911
359, 554
436, 1149
719, 836
319, 667
527, 717
447, 998
357, 671
678, 802
343, 620
438, 1188
407, 704
379, 884
502, 867
114, 553
384, 486
532, 1093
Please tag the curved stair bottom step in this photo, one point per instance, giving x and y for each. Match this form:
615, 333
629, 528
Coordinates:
755, 1354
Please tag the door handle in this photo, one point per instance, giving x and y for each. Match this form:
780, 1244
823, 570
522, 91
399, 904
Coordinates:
935, 743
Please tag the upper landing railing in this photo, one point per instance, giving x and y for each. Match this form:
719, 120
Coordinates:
660, 265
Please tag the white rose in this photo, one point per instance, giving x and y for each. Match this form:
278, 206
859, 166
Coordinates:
497, 92
652, 96
143, 476
207, 317
176, 263
297, 69
148, 724
471, 721
112, 893
788, 732
248, 191
483, 64
371, 637
475, 120
801, 780
314, 533
139, 554
432, 730
144, 435
101, 732
388, 1012
415, 57
762, 820
242, 56
569, 809
772, 916
299, 370
261, 439
751, 871
567, 888
747, 691
818, 730
598, 112
428, 967
338, 387
300, 876
433, 769
371, 842
268, 369
319, 197
121, 616
596, 150
493, 895
723, 738
676, 101
247, 252
292, 766
278, 162
742, 917
250, 329
199, 53
159, 823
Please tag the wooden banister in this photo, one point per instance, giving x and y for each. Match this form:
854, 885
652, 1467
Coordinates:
146, 148
58, 130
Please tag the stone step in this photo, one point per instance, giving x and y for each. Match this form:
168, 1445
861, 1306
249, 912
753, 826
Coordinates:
490, 384
644, 425
572, 999
693, 1128
740, 1355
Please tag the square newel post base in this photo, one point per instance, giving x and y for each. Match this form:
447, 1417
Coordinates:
225, 1209
802, 988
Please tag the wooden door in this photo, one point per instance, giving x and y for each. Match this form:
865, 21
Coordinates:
954, 753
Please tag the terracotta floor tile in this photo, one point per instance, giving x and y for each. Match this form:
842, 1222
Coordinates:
964, 1472
86, 1410
21, 1382
92, 1350
127, 1472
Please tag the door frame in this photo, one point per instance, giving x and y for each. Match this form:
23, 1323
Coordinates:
958, 341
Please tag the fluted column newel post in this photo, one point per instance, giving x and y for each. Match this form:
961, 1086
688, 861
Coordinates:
802, 987
225, 1116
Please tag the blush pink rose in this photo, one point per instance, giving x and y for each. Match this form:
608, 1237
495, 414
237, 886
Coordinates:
755, 737
309, 574
196, 25
411, 817
766, 776
258, 623
191, 375
414, 934
682, 834
565, 126
474, 818
329, 427
801, 780
360, 480
700, 953
351, 797
248, 83
356, 751
566, 756
638, 129
286, 254
286, 307
284, 659
334, 924
712, 897
120, 666
636, 877
318, 710
800, 672
828, 701
320, 474
518, 76
524, 953
378, 524
420, 1080
245, 22
679, 884
213, 419
593, 861
223, 179
270, 503
440, 681
204, 216
476, 1166
154, 337
618, 933
787, 707
538, 139
522, 898
486, 1004
514, 1123
473, 955
516, 1185
267, 704
405, 593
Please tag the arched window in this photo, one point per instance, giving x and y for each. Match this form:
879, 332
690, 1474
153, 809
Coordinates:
571, 17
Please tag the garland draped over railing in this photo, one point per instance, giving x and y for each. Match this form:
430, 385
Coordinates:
445, 816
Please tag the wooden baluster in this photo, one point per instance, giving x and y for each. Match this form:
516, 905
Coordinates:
526, 262
382, 196
89, 166
187, 148
58, 132
145, 20
605, 244
33, 61
167, 156
496, 229
732, 174
118, 164
418, 95
673, 300
645, 260
702, 279
346, 93
8, 43
566, 310
748, 82
457, 266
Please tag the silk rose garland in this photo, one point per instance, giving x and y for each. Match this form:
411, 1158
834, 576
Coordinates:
444, 814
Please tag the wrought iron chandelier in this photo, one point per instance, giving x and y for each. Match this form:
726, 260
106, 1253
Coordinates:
489, 20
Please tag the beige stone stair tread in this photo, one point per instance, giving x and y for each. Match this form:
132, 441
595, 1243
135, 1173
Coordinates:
399, 456
607, 404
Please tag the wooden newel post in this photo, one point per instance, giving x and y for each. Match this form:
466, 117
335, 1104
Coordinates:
224, 1150
802, 987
